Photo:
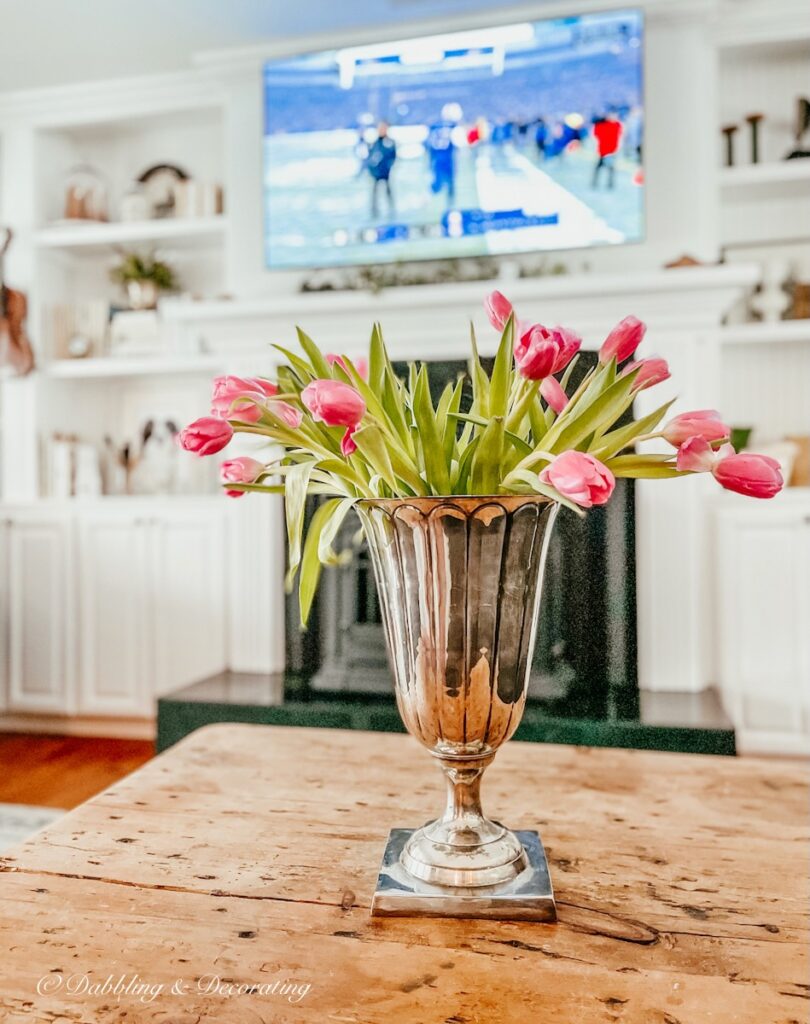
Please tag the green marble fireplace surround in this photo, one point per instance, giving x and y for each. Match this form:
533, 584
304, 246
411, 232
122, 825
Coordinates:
690, 723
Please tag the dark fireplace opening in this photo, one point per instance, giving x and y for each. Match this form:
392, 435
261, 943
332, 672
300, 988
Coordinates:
585, 657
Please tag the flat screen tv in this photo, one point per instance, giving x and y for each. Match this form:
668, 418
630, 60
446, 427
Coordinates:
511, 139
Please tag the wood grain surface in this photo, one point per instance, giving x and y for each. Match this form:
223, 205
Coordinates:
62, 771
246, 856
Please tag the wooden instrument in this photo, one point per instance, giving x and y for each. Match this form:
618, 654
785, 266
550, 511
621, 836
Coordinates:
15, 347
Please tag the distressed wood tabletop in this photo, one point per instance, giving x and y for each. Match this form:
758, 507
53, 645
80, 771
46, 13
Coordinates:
229, 881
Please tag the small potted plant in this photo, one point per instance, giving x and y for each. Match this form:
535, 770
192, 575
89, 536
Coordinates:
143, 277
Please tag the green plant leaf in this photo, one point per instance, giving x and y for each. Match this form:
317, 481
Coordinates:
371, 443
429, 438
377, 359
486, 464
572, 428
450, 428
326, 553
301, 367
480, 381
609, 444
648, 467
296, 484
314, 354
462, 475
501, 380
310, 562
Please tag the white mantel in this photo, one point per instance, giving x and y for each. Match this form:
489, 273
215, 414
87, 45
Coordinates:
683, 309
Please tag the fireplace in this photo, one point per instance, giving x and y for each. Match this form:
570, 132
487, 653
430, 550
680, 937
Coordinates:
585, 656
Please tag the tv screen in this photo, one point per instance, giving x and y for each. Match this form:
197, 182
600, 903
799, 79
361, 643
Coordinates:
509, 139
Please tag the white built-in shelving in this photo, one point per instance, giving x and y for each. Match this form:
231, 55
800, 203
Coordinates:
144, 366
780, 332
91, 238
790, 177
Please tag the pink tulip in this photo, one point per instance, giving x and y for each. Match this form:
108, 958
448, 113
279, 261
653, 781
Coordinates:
623, 340
360, 364
570, 344
243, 470
756, 476
235, 398
580, 477
498, 309
347, 442
334, 403
696, 455
537, 351
266, 386
553, 393
291, 416
703, 423
650, 372
206, 436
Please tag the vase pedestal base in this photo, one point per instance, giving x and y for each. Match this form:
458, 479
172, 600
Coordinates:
528, 897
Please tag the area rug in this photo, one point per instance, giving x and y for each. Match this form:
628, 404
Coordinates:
19, 822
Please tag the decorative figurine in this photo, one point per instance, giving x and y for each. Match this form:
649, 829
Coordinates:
753, 120
729, 131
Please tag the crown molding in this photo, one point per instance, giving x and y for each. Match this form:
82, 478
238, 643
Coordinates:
110, 99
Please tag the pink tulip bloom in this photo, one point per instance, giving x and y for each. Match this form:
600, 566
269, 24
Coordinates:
360, 364
570, 344
206, 436
243, 470
498, 309
347, 442
334, 403
703, 423
553, 393
266, 386
287, 413
580, 477
623, 340
537, 351
235, 398
650, 372
756, 476
696, 455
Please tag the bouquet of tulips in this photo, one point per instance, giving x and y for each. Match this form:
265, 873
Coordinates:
356, 430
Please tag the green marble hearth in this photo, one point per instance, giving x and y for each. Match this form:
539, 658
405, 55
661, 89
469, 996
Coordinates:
690, 723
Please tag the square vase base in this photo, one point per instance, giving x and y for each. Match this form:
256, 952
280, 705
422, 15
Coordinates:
528, 898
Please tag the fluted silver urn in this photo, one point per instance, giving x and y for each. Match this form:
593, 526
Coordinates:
459, 580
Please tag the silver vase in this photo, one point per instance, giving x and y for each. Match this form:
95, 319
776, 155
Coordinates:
459, 580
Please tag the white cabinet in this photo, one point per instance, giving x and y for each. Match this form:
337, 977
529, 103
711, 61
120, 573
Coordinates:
113, 613
763, 573
37, 644
152, 609
189, 602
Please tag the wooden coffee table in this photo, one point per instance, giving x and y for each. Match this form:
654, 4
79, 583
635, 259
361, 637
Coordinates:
242, 861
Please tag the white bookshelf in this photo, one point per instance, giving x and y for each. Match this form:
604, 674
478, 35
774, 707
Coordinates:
91, 239
790, 177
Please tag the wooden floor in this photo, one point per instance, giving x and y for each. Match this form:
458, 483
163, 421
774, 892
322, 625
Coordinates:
63, 771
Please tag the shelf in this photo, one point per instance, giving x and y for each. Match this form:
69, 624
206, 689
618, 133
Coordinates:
84, 369
787, 178
92, 238
781, 332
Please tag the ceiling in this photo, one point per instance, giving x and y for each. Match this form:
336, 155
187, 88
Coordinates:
55, 42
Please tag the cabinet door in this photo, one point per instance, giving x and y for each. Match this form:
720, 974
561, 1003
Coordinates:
189, 601
115, 644
764, 571
38, 612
